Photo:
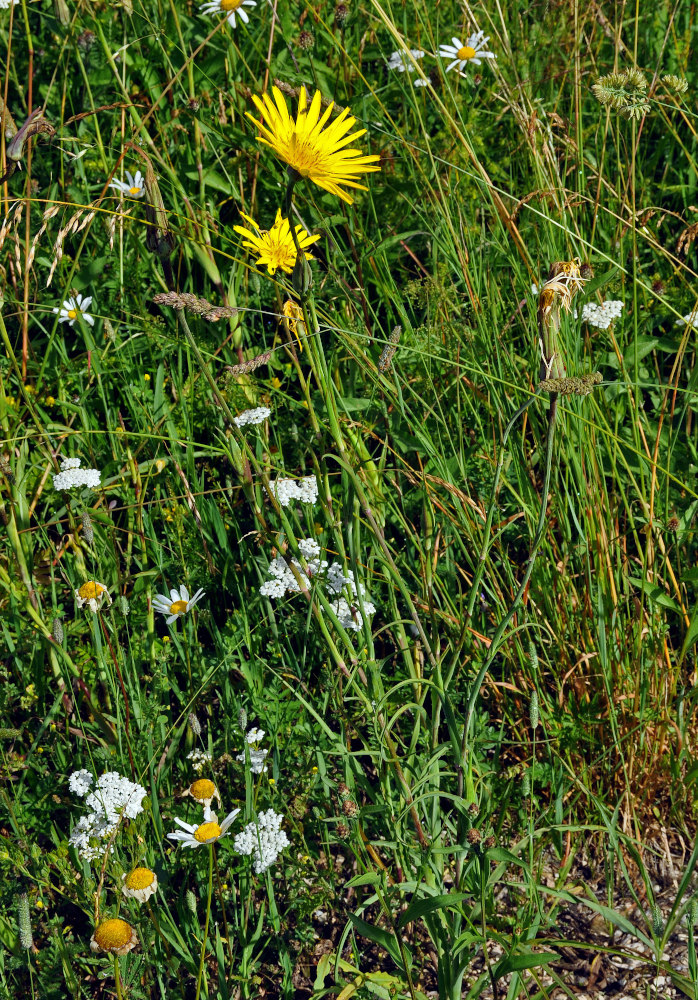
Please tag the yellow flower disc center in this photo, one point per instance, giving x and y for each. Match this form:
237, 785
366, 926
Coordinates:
72, 313
207, 831
230, 4
112, 934
134, 190
202, 789
178, 608
139, 878
466, 52
89, 591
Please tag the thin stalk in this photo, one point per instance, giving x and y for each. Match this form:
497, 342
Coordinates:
117, 978
208, 917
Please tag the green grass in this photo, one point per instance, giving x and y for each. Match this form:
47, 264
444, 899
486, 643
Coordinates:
401, 753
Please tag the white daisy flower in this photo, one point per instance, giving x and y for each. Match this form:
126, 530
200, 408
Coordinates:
401, 62
690, 319
207, 832
473, 51
74, 307
133, 187
229, 7
93, 594
177, 604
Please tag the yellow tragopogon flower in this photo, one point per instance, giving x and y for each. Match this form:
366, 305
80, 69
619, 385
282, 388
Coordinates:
293, 314
311, 146
115, 936
275, 247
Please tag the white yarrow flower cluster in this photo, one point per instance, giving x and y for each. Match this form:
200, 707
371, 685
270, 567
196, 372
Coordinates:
286, 490
400, 61
690, 319
112, 797
601, 316
256, 416
6, 4
338, 583
264, 840
72, 477
199, 759
257, 755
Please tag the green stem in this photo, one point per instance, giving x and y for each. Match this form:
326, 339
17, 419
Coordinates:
208, 916
117, 978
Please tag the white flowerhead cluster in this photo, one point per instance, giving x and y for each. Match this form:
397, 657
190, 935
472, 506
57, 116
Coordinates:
199, 759
337, 583
401, 62
72, 477
286, 490
6, 4
257, 755
690, 319
265, 840
256, 416
80, 782
601, 316
111, 798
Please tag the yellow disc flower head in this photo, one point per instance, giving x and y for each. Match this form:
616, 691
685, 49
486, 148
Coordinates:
275, 247
311, 146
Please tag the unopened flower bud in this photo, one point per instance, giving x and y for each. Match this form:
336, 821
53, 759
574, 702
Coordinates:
533, 710
342, 830
87, 532
489, 842
473, 836
302, 277
350, 808
57, 629
124, 606
190, 899
194, 724
242, 719
24, 920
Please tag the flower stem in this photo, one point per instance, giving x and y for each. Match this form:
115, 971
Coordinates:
208, 916
117, 978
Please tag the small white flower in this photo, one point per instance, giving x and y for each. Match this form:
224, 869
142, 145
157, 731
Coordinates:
265, 840
601, 316
72, 477
80, 782
257, 759
233, 9
93, 594
177, 604
474, 51
133, 187
255, 736
207, 832
199, 759
286, 490
401, 62
690, 319
74, 307
256, 416
534, 288
6, 4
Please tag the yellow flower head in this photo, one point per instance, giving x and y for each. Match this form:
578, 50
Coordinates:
275, 247
310, 148
114, 935
140, 884
203, 791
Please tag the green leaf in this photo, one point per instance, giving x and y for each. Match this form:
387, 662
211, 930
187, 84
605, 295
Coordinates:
368, 878
380, 937
516, 963
419, 908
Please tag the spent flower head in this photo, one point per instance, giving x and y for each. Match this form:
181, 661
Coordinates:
626, 92
115, 936
93, 594
140, 884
